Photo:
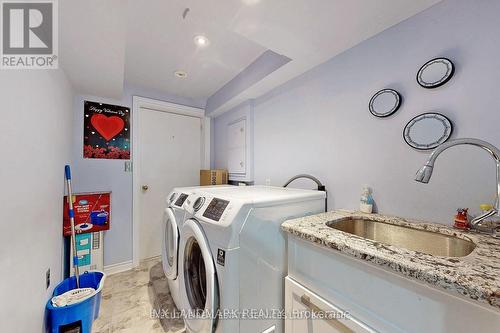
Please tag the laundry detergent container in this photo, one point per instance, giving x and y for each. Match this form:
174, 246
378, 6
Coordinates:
82, 313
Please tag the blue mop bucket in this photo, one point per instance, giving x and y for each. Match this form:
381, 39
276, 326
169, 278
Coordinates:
98, 217
84, 312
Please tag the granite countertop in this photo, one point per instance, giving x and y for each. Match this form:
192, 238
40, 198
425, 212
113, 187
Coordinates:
476, 276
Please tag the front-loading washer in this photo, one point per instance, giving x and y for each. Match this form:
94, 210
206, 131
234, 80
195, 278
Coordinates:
173, 219
232, 256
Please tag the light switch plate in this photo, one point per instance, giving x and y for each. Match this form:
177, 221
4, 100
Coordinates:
128, 166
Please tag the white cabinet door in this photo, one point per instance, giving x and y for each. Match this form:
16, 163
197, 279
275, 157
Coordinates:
236, 147
236, 160
236, 134
309, 313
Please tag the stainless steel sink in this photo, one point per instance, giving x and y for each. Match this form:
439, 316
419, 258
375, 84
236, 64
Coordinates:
404, 237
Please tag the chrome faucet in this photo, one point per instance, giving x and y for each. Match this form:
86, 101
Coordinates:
425, 173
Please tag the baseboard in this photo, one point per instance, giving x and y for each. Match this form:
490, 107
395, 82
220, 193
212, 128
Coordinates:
118, 268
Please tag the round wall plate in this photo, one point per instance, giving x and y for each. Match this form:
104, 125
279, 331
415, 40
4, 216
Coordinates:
427, 131
435, 73
384, 103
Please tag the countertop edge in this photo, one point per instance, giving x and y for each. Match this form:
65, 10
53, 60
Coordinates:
434, 271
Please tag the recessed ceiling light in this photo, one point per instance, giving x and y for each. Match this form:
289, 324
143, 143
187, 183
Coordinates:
180, 74
201, 41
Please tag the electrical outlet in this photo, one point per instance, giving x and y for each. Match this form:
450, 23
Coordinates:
47, 279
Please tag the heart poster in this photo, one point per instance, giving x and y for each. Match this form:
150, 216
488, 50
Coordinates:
106, 131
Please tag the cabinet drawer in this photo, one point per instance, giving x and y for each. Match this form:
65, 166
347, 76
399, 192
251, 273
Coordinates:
301, 305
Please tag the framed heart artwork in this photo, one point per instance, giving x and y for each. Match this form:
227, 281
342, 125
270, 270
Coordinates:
106, 131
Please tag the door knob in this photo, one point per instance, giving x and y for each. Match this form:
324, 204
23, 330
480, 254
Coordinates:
145, 187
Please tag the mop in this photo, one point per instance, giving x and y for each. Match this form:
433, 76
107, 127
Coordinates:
79, 294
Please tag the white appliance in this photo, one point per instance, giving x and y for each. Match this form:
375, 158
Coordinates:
173, 219
232, 256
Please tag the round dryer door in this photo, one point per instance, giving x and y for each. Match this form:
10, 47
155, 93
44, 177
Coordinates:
199, 292
170, 244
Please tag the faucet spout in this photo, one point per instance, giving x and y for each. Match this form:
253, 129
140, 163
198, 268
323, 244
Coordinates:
424, 174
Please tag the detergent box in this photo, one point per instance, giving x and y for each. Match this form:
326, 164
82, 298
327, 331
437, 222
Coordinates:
90, 252
92, 213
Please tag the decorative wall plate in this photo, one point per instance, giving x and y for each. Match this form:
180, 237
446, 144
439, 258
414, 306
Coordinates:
384, 103
427, 131
435, 73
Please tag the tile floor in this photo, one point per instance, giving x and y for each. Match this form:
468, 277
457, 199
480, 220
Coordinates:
128, 299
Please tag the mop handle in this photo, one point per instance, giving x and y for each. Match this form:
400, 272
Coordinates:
71, 212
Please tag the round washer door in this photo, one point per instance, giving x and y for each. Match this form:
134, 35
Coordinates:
170, 244
199, 289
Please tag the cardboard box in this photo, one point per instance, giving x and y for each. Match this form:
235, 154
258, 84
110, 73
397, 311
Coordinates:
213, 177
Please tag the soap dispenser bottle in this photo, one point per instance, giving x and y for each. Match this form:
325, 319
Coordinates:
366, 201
490, 221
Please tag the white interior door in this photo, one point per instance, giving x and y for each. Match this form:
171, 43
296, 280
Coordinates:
170, 153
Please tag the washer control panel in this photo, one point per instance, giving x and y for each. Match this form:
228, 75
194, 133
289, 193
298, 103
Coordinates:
215, 209
180, 200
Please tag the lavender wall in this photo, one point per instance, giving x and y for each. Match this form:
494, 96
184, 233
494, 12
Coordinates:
36, 129
90, 175
319, 122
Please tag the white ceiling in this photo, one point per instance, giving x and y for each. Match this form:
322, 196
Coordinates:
108, 43
160, 41
92, 45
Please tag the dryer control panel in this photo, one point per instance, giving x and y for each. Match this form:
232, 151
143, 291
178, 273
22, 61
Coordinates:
215, 209
180, 200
